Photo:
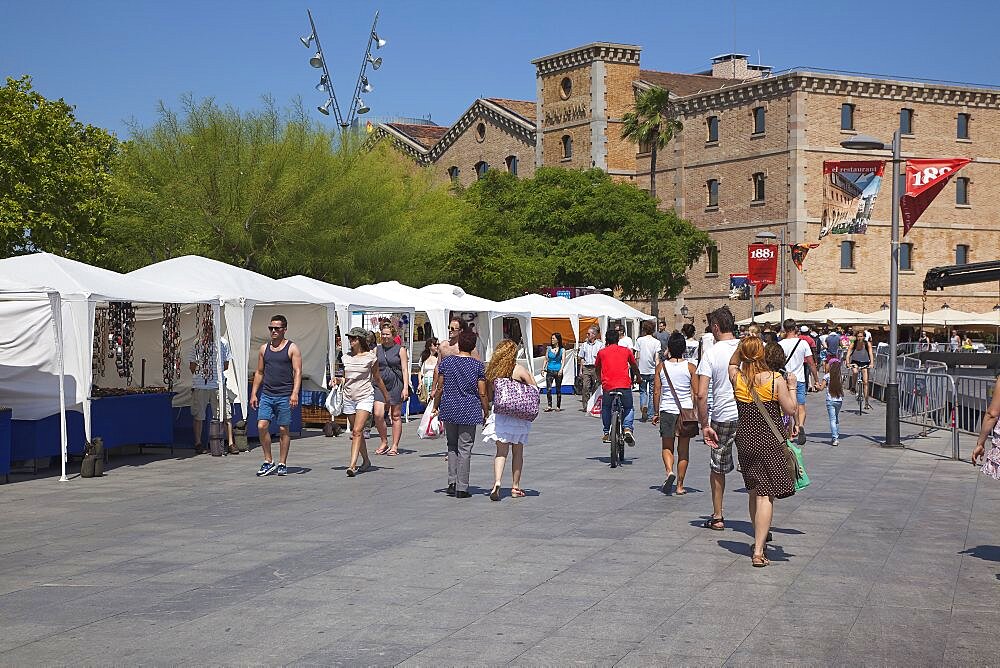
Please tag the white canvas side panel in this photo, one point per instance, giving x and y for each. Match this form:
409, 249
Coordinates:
307, 327
29, 369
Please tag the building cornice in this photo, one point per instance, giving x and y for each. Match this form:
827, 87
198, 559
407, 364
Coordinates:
499, 116
399, 141
609, 52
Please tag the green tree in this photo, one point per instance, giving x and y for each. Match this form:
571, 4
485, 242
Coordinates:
55, 183
570, 227
276, 193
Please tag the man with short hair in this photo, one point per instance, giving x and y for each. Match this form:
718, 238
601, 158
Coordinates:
798, 356
624, 340
648, 356
832, 344
205, 391
276, 392
587, 357
662, 334
719, 425
615, 366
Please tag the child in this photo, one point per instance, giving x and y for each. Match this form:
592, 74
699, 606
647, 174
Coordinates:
834, 396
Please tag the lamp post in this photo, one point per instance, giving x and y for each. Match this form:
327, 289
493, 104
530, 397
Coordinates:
866, 143
684, 314
325, 84
771, 236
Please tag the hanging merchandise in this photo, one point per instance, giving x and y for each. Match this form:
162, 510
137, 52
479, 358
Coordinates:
204, 343
171, 344
100, 341
121, 337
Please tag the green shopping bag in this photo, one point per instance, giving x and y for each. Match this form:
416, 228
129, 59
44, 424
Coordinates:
801, 477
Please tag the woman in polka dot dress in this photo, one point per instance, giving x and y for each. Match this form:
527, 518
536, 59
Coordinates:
761, 454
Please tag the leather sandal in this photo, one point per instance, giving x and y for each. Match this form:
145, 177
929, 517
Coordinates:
715, 523
759, 560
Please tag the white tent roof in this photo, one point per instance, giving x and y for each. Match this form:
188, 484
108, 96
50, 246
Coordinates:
348, 298
949, 316
421, 301
75, 281
597, 304
540, 306
226, 282
838, 316
773, 318
990, 319
881, 317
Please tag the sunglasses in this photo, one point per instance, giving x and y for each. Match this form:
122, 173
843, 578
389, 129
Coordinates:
275, 329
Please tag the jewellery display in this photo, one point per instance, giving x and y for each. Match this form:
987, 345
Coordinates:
171, 344
121, 333
204, 343
100, 341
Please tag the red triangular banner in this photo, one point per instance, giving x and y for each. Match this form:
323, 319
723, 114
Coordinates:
799, 252
924, 180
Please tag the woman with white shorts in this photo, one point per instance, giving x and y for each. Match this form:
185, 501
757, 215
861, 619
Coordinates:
360, 371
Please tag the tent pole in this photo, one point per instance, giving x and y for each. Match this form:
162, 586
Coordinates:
56, 302
219, 377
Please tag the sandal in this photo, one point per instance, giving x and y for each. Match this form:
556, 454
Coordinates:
392, 453
715, 523
495, 494
382, 449
759, 560
517, 492
548, 410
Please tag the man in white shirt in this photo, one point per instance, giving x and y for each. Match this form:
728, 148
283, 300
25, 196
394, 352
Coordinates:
205, 390
587, 357
624, 340
648, 355
798, 355
719, 425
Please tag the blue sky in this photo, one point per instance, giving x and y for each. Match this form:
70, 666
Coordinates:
115, 59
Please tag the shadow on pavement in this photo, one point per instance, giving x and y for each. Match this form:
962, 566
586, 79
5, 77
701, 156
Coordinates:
984, 552
773, 552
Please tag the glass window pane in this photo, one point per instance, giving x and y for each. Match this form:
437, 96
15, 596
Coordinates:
905, 257
906, 121
961, 190
847, 117
961, 254
963, 126
758, 120
847, 255
713, 128
713, 192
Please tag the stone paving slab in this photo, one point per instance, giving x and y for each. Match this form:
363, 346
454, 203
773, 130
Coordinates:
890, 557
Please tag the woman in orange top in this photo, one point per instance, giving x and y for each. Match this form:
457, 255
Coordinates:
761, 453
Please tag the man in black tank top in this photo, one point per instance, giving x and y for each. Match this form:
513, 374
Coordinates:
276, 383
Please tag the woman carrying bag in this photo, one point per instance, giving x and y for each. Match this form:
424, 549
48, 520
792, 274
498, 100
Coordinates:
511, 413
675, 413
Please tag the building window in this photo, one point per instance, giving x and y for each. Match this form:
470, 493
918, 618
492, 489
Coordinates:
758, 187
511, 162
713, 128
847, 117
453, 173
713, 259
481, 168
962, 254
565, 88
758, 120
906, 257
847, 255
713, 192
567, 147
906, 121
962, 191
963, 126
481, 131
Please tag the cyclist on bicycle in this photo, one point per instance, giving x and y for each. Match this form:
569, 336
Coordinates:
615, 367
860, 357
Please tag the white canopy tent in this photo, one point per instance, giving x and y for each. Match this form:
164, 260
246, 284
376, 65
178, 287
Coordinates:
773, 318
459, 301
311, 318
881, 317
948, 317
435, 309
540, 306
605, 307
837, 316
72, 290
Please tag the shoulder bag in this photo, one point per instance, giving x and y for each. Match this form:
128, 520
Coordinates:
515, 399
687, 422
796, 469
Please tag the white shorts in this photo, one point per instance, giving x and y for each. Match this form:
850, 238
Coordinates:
202, 399
367, 404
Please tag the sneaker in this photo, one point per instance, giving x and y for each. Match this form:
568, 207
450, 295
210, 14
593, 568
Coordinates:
267, 468
282, 469
629, 438
606, 438
835, 442
802, 437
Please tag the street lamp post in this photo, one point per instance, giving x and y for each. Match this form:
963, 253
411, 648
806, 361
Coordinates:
771, 236
866, 143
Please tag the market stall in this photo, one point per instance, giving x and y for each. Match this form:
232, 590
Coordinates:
549, 315
605, 308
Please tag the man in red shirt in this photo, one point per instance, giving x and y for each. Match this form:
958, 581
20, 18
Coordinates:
615, 366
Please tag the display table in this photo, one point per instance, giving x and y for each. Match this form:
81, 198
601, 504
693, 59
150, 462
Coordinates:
135, 419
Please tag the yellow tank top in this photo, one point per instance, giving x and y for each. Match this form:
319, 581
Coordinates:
764, 390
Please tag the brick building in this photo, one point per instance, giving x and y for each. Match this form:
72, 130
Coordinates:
750, 158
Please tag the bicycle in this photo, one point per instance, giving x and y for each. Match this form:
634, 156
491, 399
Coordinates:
617, 432
860, 386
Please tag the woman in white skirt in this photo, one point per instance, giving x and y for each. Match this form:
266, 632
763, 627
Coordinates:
509, 432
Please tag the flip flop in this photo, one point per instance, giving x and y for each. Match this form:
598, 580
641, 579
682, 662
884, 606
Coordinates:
392, 453
382, 451
517, 492
680, 493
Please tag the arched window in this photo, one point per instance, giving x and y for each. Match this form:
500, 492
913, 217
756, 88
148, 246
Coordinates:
567, 147
481, 168
511, 162
453, 173
481, 132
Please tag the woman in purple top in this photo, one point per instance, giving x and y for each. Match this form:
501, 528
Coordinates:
460, 393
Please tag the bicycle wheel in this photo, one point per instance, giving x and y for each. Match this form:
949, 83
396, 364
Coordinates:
616, 437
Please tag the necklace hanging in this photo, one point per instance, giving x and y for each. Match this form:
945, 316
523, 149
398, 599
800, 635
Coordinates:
171, 344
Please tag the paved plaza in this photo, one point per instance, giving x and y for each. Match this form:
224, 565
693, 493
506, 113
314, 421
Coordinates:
891, 557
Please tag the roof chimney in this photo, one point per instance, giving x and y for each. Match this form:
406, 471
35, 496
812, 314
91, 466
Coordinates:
736, 66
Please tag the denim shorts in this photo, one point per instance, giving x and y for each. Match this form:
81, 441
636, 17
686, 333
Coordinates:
275, 409
800, 393
367, 404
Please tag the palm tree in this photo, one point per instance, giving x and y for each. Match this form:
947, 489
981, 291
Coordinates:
652, 122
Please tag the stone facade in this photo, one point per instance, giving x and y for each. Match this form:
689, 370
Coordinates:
583, 93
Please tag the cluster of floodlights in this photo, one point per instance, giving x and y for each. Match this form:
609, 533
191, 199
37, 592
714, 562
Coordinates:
325, 84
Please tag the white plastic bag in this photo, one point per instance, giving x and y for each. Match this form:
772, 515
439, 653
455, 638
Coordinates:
490, 430
596, 400
430, 426
335, 401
